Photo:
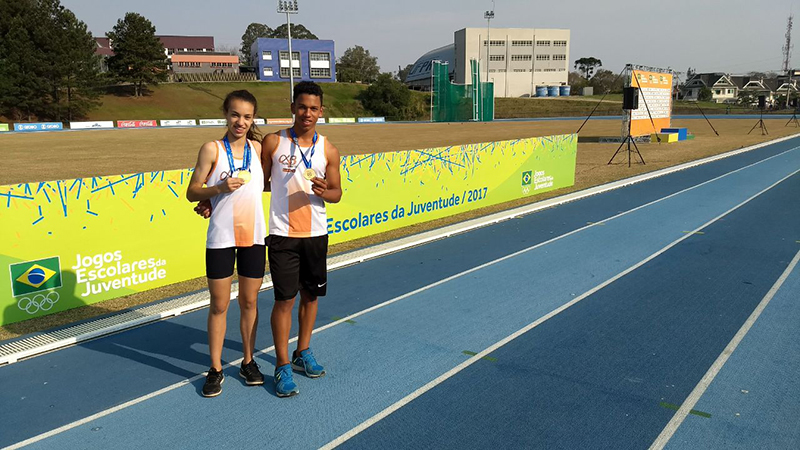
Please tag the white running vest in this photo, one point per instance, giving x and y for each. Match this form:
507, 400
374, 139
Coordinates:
294, 210
237, 218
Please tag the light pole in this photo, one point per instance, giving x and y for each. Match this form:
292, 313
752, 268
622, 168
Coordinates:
289, 7
488, 15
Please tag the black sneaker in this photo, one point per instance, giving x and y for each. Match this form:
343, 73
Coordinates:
252, 376
213, 384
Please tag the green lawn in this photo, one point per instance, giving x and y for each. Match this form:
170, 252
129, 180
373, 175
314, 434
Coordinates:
204, 101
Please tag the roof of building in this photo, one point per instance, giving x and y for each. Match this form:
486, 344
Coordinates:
422, 68
187, 41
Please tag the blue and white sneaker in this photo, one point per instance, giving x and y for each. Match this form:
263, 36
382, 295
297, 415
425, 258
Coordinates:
305, 362
284, 385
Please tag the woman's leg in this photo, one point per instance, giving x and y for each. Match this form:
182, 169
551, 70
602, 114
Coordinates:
220, 290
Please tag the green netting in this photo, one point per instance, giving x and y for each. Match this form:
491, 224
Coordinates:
460, 103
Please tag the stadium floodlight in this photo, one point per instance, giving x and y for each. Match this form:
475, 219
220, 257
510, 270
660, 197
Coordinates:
289, 7
488, 15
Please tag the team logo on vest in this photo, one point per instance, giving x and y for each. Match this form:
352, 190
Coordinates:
288, 163
34, 276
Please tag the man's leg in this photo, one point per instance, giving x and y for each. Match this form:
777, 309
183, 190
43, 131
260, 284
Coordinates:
281, 322
307, 316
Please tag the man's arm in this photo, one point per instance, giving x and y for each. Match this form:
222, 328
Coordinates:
330, 187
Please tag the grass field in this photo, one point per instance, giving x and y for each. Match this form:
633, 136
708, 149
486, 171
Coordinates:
110, 152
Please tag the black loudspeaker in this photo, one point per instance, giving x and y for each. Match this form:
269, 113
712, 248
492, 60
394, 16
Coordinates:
630, 98
762, 101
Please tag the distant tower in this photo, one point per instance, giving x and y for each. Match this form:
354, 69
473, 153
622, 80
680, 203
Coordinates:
787, 48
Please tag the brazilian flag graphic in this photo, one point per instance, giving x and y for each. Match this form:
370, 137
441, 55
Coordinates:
526, 178
34, 276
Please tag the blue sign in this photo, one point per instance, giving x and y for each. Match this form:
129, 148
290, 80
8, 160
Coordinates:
371, 119
46, 126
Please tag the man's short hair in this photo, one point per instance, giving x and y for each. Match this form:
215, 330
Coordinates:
307, 87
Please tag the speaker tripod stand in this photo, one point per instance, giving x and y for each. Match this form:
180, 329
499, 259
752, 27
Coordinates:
793, 120
760, 124
628, 140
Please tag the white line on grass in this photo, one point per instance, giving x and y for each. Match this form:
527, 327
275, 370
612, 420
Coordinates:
407, 399
705, 382
236, 362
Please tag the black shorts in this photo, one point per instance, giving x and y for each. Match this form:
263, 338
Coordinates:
250, 262
298, 263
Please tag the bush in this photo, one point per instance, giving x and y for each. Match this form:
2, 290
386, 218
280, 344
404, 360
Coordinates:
390, 98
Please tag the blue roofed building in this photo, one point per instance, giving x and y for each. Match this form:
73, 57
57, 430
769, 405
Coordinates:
312, 60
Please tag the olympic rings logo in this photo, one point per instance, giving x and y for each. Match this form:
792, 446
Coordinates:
39, 302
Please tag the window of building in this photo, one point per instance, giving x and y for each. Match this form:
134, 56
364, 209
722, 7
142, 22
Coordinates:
562, 70
522, 70
285, 72
521, 57
285, 55
559, 43
543, 57
319, 56
538, 70
717, 91
320, 73
495, 43
543, 43
521, 43
268, 71
497, 57
266, 55
549, 70
559, 57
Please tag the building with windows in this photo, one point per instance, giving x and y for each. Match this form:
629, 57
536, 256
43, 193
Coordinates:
312, 60
519, 59
205, 62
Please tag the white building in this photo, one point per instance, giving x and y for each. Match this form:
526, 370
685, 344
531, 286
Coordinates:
520, 59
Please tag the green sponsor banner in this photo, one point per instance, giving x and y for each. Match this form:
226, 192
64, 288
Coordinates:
3, 127
341, 120
82, 241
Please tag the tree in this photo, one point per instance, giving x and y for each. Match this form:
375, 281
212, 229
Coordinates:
251, 34
607, 82
356, 64
139, 56
48, 68
402, 73
705, 94
587, 66
298, 32
577, 81
389, 97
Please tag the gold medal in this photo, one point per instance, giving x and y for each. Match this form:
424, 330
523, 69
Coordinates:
244, 175
309, 174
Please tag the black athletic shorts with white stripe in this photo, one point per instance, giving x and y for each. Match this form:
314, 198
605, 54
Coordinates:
298, 263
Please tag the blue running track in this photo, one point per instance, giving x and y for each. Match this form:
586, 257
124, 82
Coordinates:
582, 326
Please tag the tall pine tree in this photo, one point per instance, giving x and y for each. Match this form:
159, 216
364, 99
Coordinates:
139, 56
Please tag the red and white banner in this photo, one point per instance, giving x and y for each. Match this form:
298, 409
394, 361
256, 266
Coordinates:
136, 123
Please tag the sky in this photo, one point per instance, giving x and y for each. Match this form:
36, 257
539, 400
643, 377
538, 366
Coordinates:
732, 36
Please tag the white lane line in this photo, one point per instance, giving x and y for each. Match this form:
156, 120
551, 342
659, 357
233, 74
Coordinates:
179, 384
407, 399
705, 382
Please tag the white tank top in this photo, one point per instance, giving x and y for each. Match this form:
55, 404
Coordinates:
237, 218
294, 210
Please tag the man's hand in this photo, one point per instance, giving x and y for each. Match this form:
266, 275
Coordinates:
319, 186
203, 209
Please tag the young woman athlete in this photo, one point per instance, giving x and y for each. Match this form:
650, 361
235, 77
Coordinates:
229, 173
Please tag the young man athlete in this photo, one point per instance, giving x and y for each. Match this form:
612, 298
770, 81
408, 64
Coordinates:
302, 167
